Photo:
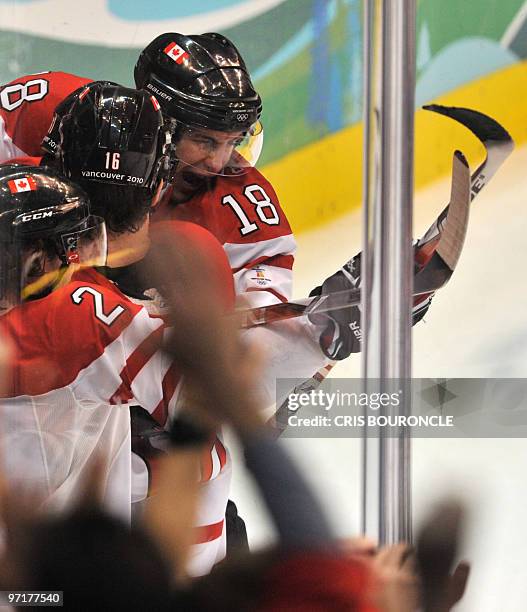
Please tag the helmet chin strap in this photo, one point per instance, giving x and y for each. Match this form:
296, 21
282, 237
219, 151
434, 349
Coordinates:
165, 166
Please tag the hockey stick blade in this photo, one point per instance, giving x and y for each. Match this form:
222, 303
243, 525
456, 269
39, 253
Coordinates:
498, 146
434, 274
482, 126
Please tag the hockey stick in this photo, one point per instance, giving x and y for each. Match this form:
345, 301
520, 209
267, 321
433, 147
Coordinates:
498, 146
436, 269
434, 274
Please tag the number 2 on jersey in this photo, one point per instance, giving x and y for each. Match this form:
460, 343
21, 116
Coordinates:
265, 209
78, 296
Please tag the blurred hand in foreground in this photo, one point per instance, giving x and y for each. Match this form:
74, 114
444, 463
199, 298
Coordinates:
205, 340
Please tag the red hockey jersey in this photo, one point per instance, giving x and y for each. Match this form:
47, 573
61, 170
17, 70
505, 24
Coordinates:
81, 355
244, 214
26, 110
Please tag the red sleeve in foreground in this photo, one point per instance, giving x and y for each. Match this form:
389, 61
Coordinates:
218, 270
318, 582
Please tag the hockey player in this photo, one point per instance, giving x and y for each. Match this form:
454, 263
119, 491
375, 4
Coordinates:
82, 351
203, 84
74, 337
103, 135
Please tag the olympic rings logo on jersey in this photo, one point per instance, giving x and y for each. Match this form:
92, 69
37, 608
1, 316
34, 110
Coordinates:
12, 96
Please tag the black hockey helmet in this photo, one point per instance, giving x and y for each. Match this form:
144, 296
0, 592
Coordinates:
202, 82
41, 211
51, 140
199, 80
116, 135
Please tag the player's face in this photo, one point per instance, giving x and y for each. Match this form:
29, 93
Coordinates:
202, 154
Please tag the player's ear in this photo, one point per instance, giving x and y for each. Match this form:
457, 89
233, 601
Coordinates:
38, 272
34, 265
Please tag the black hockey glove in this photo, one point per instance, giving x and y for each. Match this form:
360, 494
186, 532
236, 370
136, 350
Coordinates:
342, 334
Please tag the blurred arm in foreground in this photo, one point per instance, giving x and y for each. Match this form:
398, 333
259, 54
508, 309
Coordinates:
307, 570
224, 372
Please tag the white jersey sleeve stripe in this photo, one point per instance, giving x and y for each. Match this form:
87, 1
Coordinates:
240, 254
95, 378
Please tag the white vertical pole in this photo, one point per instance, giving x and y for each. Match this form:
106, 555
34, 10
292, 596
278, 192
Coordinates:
388, 262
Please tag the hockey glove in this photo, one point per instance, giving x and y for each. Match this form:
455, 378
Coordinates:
341, 329
341, 332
